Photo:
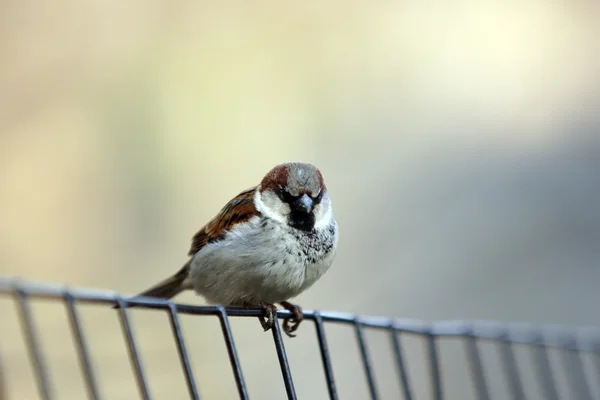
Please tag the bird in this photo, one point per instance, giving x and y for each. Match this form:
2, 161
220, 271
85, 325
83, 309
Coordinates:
267, 245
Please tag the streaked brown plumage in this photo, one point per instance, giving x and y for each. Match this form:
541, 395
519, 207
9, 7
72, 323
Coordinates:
239, 209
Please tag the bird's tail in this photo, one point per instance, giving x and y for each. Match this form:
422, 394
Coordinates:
169, 287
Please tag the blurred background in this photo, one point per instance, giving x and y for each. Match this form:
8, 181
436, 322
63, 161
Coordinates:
459, 144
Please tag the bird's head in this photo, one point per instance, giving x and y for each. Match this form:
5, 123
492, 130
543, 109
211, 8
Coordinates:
295, 194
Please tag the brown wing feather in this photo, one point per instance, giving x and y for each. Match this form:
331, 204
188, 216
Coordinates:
239, 209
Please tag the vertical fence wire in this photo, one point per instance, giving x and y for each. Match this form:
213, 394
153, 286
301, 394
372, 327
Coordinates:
400, 365
83, 353
324, 348
3, 388
233, 356
132, 349
183, 355
595, 355
434, 367
33, 345
283, 361
366, 362
476, 366
509, 364
543, 369
575, 370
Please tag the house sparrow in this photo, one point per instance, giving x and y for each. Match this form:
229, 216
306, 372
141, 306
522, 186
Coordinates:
267, 245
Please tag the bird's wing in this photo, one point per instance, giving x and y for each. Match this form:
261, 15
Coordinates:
239, 209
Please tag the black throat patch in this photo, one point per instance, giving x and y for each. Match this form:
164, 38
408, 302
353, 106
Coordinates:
302, 221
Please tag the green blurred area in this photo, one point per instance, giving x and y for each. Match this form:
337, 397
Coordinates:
459, 144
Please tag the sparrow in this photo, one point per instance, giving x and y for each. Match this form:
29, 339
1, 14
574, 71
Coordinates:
268, 244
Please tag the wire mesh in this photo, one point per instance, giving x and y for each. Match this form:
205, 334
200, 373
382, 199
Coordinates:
506, 336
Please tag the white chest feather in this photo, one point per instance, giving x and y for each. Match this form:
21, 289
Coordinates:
263, 261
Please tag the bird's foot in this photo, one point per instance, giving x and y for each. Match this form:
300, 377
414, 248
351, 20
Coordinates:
269, 310
295, 319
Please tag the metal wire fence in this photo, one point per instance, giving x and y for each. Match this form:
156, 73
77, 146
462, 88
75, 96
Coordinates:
540, 340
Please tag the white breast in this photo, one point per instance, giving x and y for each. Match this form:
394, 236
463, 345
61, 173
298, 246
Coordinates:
263, 260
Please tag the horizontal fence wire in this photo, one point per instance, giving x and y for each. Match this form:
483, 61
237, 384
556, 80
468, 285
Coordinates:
473, 333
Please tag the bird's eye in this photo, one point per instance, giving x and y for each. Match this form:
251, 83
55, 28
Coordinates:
285, 196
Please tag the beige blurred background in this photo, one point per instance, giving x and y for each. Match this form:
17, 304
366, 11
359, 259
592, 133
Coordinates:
459, 143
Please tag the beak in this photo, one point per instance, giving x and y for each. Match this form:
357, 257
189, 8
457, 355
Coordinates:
303, 204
